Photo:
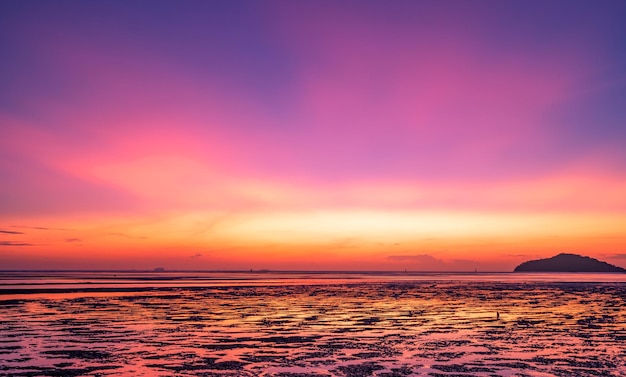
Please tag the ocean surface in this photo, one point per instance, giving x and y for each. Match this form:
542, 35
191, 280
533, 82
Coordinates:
296, 324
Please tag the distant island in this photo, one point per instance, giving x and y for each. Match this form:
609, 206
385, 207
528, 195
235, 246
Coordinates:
567, 263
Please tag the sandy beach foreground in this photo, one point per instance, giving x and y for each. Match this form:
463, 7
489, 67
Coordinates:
399, 328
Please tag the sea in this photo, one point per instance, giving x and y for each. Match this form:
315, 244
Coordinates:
297, 324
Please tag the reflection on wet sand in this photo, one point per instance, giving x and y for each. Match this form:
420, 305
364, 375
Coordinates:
374, 329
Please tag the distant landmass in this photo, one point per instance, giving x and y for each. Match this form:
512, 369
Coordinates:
567, 263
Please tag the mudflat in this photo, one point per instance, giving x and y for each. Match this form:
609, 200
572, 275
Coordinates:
465, 328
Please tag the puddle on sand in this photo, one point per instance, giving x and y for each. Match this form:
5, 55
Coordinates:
376, 329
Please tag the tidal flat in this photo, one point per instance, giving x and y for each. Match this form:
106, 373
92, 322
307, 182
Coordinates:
402, 328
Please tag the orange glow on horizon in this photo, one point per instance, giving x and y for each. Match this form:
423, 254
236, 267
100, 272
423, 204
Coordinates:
330, 240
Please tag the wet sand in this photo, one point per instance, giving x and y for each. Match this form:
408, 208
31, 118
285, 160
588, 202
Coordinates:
352, 329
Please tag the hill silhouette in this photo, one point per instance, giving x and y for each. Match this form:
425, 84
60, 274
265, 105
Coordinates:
567, 263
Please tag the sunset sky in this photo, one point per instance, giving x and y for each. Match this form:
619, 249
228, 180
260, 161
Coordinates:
333, 135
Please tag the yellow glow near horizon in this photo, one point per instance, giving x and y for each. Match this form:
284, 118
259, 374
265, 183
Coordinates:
324, 239
406, 225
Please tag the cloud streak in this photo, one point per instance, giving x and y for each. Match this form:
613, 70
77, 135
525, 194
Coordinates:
36, 227
9, 232
12, 243
427, 262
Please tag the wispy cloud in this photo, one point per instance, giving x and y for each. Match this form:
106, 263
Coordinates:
422, 261
414, 258
429, 262
127, 236
36, 227
520, 255
9, 232
11, 243
73, 240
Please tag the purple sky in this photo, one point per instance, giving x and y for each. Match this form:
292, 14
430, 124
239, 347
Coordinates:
145, 118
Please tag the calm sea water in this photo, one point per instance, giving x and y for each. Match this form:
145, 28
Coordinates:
311, 324
49, 281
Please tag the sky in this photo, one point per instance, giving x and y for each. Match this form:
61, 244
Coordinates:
311, 135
